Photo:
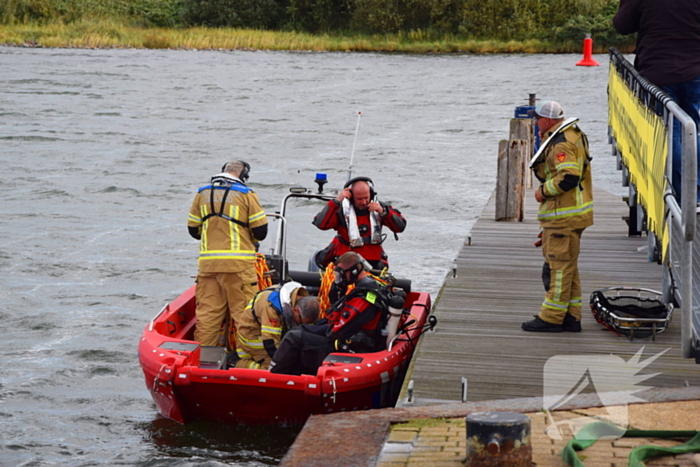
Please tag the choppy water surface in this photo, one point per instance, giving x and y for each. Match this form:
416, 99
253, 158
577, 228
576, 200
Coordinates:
102, 151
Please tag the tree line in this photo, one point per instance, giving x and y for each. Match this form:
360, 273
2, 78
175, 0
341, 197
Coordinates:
548, 20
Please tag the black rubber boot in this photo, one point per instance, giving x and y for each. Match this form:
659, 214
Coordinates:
570, 324
231, 359
539, 325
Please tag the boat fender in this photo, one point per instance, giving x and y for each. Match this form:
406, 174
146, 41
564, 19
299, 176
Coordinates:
395, 310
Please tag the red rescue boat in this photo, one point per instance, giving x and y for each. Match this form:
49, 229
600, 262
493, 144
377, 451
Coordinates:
189, 382
186, 388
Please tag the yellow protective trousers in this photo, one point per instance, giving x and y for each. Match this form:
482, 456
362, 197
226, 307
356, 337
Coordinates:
249, 344
560, 248
220, 295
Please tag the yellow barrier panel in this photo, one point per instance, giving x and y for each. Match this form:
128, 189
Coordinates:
641, 138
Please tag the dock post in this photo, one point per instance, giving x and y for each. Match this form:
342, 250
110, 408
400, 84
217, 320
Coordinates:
510, 184
522, 128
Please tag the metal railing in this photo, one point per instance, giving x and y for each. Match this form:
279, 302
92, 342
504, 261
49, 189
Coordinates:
679, 249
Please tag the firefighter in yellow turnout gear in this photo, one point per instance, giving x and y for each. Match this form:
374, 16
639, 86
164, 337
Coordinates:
566, 209
227, 219
266, 319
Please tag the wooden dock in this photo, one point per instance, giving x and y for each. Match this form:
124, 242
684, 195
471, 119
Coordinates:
498, 286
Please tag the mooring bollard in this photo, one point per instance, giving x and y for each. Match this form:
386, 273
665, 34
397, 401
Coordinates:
497, 439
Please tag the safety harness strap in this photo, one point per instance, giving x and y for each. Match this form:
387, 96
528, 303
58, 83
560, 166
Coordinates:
255, 299
220, 213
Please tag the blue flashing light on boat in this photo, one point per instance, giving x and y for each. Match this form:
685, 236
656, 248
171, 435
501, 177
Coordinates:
321, 179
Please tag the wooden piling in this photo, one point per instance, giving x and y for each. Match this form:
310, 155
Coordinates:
510, 184
523, 128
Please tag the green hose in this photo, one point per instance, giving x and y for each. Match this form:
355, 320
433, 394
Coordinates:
590, 433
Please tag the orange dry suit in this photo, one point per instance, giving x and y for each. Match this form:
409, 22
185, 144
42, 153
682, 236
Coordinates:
332, 217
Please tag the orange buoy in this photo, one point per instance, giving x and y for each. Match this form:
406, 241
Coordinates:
587, 53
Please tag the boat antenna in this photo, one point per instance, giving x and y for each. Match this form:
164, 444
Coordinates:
352, 154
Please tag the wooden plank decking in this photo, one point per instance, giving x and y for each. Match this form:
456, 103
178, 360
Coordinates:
498, 286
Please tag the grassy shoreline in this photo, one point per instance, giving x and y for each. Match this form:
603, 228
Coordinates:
113, 35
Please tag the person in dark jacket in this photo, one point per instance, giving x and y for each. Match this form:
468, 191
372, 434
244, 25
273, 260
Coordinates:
358, 217
267, 318
354, 323
668, 55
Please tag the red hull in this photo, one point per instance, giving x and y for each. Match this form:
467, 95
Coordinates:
185, 392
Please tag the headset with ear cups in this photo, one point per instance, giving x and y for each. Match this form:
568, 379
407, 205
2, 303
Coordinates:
372, 193
245, 173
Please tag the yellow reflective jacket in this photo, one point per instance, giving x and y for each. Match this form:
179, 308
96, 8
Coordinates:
227, 243
565, 174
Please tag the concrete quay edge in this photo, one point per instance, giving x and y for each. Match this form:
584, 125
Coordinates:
350, 439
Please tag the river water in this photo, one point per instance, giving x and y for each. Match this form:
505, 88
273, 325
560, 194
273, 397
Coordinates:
103, 150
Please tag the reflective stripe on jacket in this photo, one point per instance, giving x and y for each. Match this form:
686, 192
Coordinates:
566, 163
226, 246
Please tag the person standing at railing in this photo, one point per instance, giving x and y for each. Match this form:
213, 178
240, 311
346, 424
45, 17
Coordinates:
668, 55
566, 209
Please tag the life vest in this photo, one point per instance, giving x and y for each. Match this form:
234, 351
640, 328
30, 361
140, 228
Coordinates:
332, 216
227, 184
273, 299
367, 244
355, 239
280, 299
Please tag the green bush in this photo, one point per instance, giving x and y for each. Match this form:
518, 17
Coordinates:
565, 20
22, 11
319, 15
560, 21
145, 12
439, 17
502, 19
376, 16
254, 14
161, 13
599, 25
